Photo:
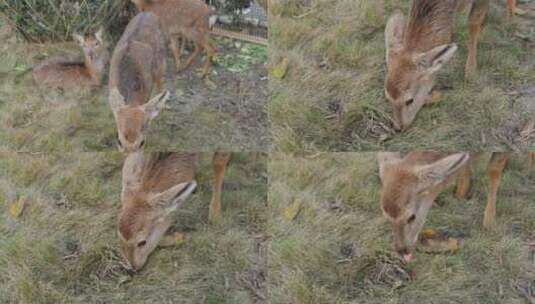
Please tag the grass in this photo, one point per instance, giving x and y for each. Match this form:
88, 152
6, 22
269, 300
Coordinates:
338, 248
63, 248
332, 96
230, 115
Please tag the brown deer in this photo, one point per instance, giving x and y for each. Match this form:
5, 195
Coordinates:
64, 73
138, 63
154, 186
411, 183
417, 49
187, 19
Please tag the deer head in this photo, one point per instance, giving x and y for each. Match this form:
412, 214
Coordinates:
410, 74
408, 191
132, 120
145, 218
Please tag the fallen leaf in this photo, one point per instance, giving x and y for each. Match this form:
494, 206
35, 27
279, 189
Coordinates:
432, 242
428, 233
280, 70
293, 210
17, 207
173, 239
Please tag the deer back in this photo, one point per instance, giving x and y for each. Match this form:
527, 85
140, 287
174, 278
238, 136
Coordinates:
430, 24
138, 59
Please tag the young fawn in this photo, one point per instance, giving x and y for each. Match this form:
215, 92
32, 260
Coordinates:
417, 49
61, 72
187, 19
154, 186
410, 184
138, 63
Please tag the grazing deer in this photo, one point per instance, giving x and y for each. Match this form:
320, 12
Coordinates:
154, 186
64, 73
138, 63
187, 19
417, 49
410, 185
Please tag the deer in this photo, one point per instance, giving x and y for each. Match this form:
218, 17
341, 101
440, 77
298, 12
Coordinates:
190, 20
137, 66
417, 48
411, 183
61, 72
154, 186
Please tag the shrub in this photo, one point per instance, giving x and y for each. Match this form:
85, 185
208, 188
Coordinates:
57, 20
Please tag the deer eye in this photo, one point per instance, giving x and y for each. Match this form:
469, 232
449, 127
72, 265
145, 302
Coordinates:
411, 219
409, 102
141, 244
142, 144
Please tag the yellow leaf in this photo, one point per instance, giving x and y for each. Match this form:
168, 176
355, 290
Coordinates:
292, 211
439, 245
280, 70
173, 239
429, 233
16, 208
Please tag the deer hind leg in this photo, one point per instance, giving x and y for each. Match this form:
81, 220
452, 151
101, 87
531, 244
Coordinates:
464, 180
511, 7
477, 17
210, 53
531, 160
173, 45
194, 54
495, 169
220, 163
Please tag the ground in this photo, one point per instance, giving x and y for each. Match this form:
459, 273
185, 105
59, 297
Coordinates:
338, 247
63, 248
332, 97
228, 112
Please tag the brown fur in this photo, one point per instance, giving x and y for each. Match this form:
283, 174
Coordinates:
430, 24
149, 175
138, 61
65, 73
400, 178
137, 66
187, 19
419, 47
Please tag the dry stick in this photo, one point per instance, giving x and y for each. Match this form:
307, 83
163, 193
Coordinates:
239, 36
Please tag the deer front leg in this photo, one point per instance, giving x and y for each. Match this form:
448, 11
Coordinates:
478, 13
495, 169
171, 239
464, 180
511, 7
220, 163
173, 44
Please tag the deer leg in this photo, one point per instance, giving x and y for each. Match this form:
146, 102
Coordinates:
196, 51
220, 162
478, 13
511, 7
463, 181
171, 239
495, 169
210, 52
173, 45
531, 160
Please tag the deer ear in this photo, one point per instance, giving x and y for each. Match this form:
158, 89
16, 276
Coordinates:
394, 32
78, 38
99, 34
386, 159
116, 100
438, 172
173, 197
432, 61
155, 105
